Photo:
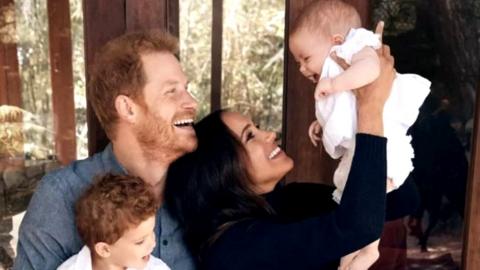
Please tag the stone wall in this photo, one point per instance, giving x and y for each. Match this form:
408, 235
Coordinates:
18, 180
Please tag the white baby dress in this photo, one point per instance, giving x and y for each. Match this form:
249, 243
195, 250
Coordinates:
337, 114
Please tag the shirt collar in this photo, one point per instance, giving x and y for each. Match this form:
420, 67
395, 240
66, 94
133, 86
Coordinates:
109, 159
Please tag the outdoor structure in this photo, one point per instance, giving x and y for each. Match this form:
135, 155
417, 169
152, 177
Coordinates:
106, 19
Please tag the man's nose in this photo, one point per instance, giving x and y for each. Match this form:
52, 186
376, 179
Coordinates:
190, 102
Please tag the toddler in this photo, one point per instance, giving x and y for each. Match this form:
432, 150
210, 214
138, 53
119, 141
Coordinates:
116, 219
326, 33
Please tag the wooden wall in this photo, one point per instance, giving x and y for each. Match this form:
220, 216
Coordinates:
311, 164
471, 235
10, 91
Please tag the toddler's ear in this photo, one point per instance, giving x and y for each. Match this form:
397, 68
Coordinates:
102, 249
337, 39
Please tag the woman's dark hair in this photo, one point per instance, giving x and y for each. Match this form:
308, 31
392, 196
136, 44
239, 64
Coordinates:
208, 189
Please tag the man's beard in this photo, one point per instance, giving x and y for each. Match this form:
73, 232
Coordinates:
157, 139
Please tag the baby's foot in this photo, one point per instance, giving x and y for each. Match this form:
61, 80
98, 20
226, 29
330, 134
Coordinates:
347, 260
364, 259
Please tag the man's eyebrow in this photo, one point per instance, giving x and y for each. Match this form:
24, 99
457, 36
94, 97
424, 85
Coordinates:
169, 82
244, 129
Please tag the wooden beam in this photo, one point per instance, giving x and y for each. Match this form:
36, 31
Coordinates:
103, 21
146, 14
10, 87
471, 236
60, 43
311, 164
217, 37
173, 17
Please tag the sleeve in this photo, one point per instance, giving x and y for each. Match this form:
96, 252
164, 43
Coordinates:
313, 242
47, 232
296, 201
355, 41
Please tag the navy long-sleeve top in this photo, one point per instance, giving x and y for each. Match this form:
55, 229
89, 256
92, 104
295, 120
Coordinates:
314, 242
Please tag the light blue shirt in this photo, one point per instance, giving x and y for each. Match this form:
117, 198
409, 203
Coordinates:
48, 235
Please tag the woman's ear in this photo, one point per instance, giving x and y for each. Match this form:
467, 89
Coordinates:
126, 108
337, 39
102, 249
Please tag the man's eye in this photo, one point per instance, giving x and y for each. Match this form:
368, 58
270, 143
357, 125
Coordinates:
170, 91
306, 59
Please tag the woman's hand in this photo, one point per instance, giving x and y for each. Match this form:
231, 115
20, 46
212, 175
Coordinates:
372, 97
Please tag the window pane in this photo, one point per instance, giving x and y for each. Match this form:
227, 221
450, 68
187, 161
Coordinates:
253, 50
442, 133
195, 49
27, 136
78, 62
33, 59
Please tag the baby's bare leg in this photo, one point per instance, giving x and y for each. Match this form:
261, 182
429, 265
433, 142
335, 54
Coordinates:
347, 260
366, 257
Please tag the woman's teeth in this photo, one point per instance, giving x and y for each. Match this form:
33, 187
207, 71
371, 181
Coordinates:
274, 153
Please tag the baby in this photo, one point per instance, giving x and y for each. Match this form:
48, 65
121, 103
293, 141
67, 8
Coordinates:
116, 219
326, 34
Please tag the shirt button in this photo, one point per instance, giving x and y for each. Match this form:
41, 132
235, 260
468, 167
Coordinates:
164, 242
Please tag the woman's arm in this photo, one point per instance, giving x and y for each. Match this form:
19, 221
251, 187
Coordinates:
313, 242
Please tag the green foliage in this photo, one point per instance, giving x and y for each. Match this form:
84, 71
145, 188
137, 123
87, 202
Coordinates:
252, 56
31, 25
33, 57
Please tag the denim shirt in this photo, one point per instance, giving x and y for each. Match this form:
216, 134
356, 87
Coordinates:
48, 235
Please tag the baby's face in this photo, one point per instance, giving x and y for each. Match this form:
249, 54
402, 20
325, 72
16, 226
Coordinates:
310, 50
134, 247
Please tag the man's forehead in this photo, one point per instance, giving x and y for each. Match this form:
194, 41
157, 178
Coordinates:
164, 66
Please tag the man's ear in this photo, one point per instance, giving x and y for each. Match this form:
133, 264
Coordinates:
337, 39
126, 108
102, 249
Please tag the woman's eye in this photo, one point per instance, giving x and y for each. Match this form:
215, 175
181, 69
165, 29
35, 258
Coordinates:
170, 91
250, 136
306, 59
139, 243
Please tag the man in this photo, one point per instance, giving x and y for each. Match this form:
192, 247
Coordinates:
139, 93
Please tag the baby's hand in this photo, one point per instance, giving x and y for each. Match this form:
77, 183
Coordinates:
314, 132
323, 88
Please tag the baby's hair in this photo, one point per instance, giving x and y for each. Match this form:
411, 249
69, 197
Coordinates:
327, 16
112, 205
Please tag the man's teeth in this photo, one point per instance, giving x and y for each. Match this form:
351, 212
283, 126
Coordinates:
275, 152
183, 123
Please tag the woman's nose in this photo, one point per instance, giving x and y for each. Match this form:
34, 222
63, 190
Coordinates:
271, 136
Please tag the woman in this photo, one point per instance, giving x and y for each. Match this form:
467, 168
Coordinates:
222, 193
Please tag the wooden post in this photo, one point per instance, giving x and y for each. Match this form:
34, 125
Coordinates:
103, 20
60, 43
311, 164
10, 90
216, 71
471, 236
